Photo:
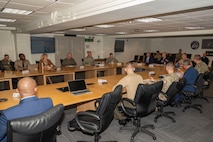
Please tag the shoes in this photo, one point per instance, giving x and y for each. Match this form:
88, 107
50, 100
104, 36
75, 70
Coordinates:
124, 121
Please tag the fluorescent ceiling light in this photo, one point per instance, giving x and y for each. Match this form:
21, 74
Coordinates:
194, 28
151, 31
16, 11
148, 20
100, 34
122, 33
104, 26
78, 29
2, 25
7, 20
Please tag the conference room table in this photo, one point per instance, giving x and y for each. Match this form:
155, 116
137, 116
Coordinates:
83, 101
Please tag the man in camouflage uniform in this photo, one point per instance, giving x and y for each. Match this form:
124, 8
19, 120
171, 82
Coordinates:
201, 67
7, 63
167, 81
69, 60
89, 61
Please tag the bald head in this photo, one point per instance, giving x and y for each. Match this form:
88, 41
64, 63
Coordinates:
27, 87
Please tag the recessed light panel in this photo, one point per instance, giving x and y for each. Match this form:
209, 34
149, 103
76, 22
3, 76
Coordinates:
148, 20
16, 11
151, 31
104, 26
194, 28
7, 20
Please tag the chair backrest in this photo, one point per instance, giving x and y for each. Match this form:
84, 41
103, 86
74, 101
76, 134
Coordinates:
173, 90
38, 128
145, 97
199, 84
107, 106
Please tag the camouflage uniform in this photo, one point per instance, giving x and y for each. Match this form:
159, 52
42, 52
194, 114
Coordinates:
67, 62
173, 77
201, 67
111, 60
89, 61
7, 65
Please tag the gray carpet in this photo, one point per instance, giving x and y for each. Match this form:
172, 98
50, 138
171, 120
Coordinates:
190, 126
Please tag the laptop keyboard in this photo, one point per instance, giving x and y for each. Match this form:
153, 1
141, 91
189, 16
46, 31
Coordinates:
81, 92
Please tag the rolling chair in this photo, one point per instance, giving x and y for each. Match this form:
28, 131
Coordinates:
189, 96
170, 94
38, 128
95, 122
144, 104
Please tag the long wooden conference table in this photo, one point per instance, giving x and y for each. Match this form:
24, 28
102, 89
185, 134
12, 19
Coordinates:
83, 101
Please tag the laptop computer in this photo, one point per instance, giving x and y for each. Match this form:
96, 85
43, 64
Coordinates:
77, 87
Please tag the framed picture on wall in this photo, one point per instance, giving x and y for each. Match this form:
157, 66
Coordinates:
207, 44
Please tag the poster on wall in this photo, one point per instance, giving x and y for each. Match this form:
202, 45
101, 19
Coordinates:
207, 44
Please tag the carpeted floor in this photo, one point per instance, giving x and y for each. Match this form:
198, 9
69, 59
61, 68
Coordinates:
190, 126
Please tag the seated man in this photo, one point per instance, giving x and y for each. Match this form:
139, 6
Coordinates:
69, 60
148, 59
180, 62
111, 59
89, 61
22, 63
130, 83
190, 75
205, 59
200, 66
29, 105
167, 81
164, 60
7, 63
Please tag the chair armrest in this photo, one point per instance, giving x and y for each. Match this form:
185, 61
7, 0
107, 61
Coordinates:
86, 115
192, 85
97, 102
124, 107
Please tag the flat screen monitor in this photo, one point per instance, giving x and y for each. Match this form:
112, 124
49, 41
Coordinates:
119, 45
42, 45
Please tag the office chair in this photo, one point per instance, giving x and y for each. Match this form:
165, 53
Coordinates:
38, 128
208, 76
143, 104
170, 94
61, 60
198, 93
95, 122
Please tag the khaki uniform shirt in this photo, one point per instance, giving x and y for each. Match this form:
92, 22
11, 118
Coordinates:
21, 65
178, 57
173, 77
89, 61
67, 62
201, 67
130, 82
111, 61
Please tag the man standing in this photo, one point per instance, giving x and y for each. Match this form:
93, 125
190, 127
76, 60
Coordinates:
130, 83
178, 56
200, 66
89, 61
22, 63
29, 105
111, 59
69, 60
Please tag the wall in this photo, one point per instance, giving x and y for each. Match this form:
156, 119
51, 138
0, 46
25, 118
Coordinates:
173, 44
7, 45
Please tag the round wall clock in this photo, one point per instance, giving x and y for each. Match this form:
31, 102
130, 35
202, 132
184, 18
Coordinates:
195, 44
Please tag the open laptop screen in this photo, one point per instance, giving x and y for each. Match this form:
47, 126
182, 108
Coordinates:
76, 85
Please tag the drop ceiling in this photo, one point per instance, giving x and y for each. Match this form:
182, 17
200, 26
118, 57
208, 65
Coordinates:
61, 16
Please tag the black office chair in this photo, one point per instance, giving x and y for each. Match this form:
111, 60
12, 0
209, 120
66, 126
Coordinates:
61, 60
208, 76
95, 122
144, 103
38, 128
170, 94
189, 96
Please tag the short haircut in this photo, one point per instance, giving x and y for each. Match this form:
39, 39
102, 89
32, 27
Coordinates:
129, 64
6, 55
110, 53
197, 57
20, 54
186, 62
170, 64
